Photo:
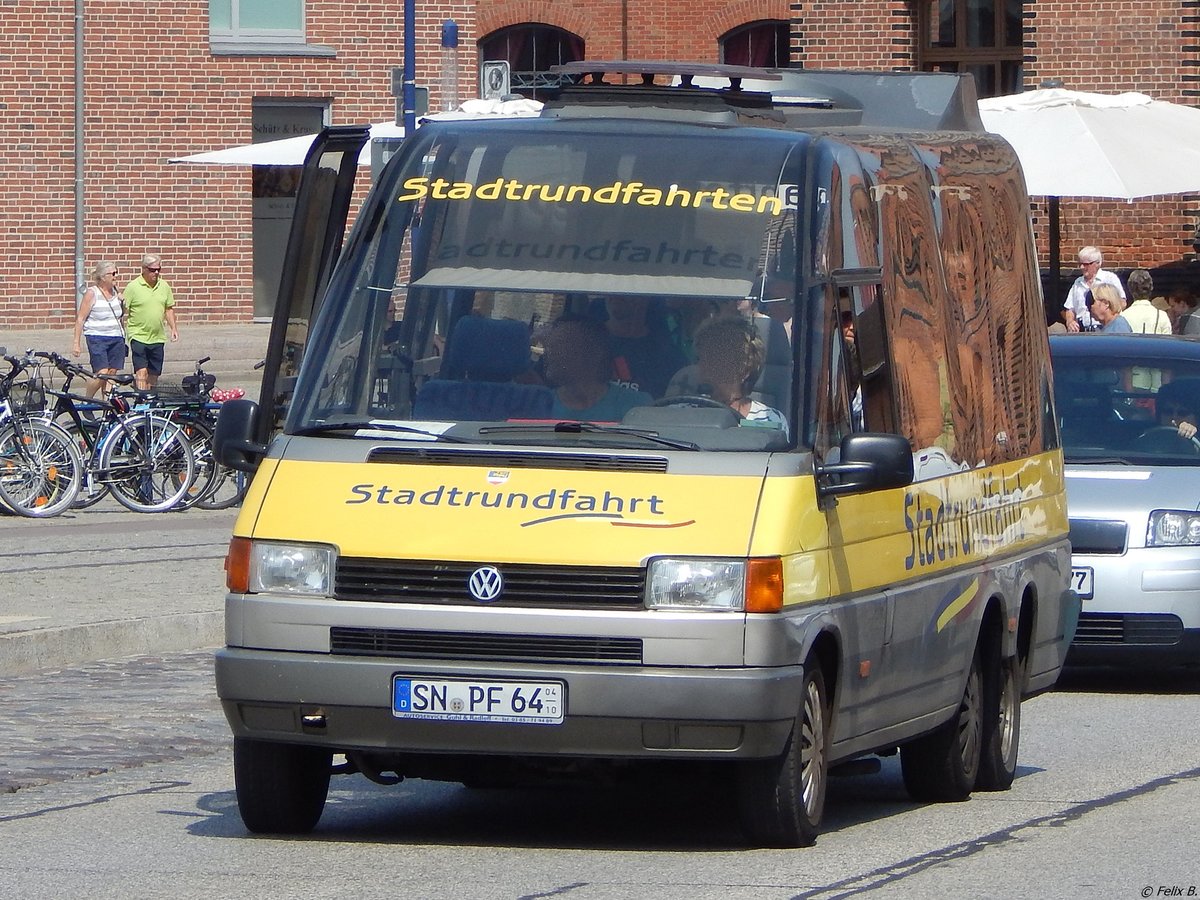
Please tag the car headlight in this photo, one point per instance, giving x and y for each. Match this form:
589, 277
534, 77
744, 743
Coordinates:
704, 584
290, 569
1173, 528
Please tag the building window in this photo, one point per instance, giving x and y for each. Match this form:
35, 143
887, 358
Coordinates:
530, 50
983, 37
256, 20
762, 44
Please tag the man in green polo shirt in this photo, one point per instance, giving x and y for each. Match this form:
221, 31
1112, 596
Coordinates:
149, 304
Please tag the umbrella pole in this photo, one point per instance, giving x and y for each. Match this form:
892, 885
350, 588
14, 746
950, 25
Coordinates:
1055, 267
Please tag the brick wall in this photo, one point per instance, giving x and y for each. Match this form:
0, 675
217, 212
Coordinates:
155, 91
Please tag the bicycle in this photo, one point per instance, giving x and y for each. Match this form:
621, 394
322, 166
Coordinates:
40, 469
130, 449
190, 405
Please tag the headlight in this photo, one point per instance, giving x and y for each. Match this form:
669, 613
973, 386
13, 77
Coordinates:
291, 569
1173, 528
705, 584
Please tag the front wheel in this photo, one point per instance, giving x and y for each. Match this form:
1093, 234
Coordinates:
40, 469
942, 766
281, 788
782, 800
148, 463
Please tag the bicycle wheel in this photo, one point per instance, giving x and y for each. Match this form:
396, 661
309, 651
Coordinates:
228, 489
200, 436
147, 462
40, 469
92, 488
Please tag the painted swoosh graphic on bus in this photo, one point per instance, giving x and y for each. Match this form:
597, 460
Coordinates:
613, 519
957, 604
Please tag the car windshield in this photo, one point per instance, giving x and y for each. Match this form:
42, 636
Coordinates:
530, 274
1136, 411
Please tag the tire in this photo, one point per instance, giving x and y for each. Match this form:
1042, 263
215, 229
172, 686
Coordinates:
1001, 725
40, 469
942, 766
228, 489
200, 437
281, 788
148, 463
782, 800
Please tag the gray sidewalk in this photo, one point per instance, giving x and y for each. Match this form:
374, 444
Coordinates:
106, 583
234, 350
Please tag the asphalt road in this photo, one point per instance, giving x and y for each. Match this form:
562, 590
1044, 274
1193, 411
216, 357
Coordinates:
126, 790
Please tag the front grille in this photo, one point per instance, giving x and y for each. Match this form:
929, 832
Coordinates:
600, 462
532, 648
549, 587
1099, 629
1098, 537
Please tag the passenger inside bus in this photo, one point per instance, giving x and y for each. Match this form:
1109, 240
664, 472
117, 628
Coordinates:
577, 364
729, 356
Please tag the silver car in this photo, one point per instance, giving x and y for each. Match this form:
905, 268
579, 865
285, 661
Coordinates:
1127, 409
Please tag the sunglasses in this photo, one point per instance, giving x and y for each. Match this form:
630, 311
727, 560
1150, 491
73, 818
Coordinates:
152, 268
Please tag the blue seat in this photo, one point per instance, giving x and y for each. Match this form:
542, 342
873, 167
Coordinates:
475, 384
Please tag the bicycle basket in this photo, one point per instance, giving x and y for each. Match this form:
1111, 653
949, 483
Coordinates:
174, 391
27, 396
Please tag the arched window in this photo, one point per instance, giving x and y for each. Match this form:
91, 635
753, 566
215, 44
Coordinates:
530, 50
763, 43
983, 37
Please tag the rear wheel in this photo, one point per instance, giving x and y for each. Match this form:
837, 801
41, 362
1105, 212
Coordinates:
281, 788
942, 766
200, 437
40, 469
782, 800
227, 489
1001, 725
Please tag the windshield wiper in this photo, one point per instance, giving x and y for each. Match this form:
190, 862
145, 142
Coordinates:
333, 427
1097, 460
589, 428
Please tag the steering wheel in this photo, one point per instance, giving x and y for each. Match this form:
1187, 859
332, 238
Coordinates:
693, 400
1166, 438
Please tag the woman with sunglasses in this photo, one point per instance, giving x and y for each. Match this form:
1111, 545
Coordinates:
100, 320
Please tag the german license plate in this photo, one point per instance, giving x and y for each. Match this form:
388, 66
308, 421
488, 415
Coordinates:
470, 700
1081, 581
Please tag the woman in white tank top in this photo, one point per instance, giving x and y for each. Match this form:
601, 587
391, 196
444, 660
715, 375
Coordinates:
100, 322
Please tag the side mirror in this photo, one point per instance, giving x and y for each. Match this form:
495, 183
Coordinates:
869, 462
233, 438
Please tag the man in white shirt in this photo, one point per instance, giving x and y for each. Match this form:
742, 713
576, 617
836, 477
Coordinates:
1075, 311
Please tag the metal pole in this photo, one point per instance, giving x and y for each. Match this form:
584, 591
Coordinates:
80, 277
1055, 264
410, 68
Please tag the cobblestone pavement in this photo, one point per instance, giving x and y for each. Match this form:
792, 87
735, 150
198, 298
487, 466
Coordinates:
89, 719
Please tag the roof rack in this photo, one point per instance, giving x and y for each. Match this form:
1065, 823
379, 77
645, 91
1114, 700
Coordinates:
782, 98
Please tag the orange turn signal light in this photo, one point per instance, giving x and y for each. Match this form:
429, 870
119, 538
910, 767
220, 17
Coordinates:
764, 585
237, 566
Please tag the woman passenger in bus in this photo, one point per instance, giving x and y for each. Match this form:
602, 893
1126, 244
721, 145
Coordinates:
729, 355
577, 364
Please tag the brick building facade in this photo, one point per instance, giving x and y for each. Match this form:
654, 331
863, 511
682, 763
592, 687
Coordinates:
162, 81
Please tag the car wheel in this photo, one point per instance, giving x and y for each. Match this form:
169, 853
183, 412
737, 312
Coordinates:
782, 800
281, 788
942, 766
1001, 725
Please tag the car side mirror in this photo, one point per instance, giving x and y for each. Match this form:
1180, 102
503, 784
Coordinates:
868, 462
233, 438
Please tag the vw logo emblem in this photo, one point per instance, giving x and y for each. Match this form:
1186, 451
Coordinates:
485, 584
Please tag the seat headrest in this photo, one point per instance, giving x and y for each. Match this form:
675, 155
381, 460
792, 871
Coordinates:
482, 349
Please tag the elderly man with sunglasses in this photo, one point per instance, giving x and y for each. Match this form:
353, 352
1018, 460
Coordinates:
1077, 310
150, 306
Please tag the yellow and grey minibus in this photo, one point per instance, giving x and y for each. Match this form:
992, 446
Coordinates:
706, 422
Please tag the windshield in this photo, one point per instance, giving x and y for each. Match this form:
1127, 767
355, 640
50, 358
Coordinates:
1140, 412
527, 274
